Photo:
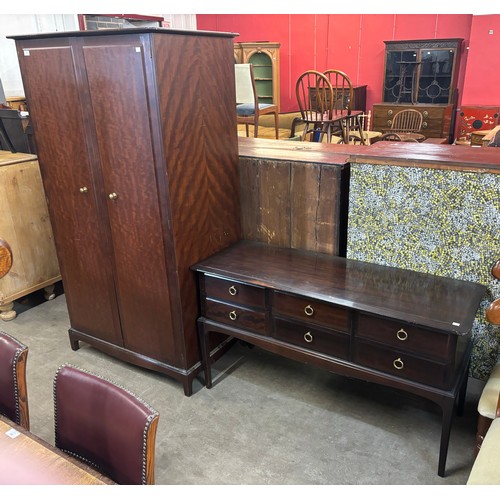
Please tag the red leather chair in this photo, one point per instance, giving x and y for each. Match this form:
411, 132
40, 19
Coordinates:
13, 389
105, 426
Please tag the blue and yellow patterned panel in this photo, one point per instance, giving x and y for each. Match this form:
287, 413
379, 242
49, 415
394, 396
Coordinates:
443, 222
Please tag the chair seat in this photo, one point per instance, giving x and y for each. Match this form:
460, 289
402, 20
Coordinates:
486, 468
367, 134
489, 397
248, 109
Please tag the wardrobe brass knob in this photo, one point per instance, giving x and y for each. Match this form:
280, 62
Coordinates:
112, 196
84, 189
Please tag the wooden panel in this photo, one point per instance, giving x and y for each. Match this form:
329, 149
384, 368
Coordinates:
249, 169
57, 112
274, 224
315, 208
127, 163
291, 204
199, 141
25, 226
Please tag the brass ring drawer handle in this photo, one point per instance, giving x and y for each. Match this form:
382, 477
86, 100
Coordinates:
398, 364
309, 310
232, 290
233, 315
401, 334
308, 337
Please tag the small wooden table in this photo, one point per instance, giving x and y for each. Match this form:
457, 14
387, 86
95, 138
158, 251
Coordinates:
27, 459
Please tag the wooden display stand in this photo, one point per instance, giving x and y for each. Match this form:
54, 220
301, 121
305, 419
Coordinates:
29, 252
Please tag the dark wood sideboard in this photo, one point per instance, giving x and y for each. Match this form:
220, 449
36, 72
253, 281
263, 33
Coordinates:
399, 328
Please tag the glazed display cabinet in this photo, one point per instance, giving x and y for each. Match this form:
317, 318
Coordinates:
421, 71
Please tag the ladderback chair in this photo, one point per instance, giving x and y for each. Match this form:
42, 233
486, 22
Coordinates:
315, 100
248, 107
13, 388
105, 426
407, 120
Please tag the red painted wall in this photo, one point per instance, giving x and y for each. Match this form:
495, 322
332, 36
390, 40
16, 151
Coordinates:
482, 73
354, 43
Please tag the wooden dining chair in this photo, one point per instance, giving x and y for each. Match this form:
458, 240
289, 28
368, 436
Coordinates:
105, 426
13, 388
315, 100
248, 107
407, 120
365, 126
343, 97
343, 92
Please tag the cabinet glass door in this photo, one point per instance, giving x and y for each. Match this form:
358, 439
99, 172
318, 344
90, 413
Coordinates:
400, 67
436, 71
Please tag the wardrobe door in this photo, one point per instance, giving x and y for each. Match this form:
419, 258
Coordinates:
58, 107
118, 88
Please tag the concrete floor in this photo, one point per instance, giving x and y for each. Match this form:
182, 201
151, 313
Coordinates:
266, 421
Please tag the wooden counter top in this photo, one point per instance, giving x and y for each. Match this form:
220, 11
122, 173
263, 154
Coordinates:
442, 156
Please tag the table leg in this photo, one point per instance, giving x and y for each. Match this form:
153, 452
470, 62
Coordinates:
448, 410
205, 354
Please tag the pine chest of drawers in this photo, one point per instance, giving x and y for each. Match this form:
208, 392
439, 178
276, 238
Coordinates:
399, 328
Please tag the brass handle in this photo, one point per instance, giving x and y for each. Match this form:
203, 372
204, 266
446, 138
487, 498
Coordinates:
389, 123
232, 315
84, 189
425, 114
389, 113
401, 335
309, 310
112, 196
308, 337
424, 125
232, 290
398, 364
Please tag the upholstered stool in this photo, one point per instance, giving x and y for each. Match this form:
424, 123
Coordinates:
487, 405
